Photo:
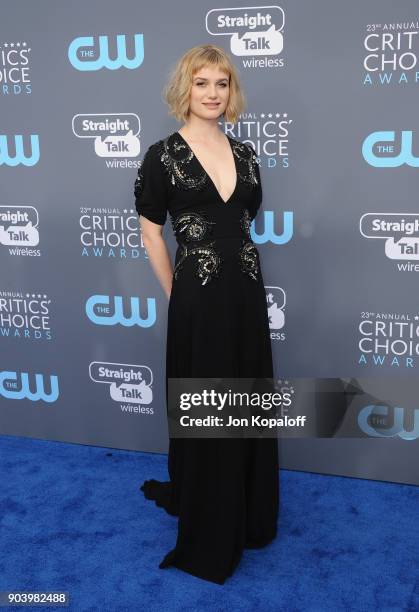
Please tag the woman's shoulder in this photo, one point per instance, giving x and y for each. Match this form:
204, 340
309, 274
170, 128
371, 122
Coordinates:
243, 147
169, 145
152, 149
161, 156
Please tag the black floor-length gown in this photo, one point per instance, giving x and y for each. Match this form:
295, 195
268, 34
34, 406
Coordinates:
224, 491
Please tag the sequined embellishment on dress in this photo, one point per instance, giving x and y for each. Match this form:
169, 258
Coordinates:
249, 259
209, 261
245, 223
191, 226
139, 182
194, 227
177, 157
248, 253
248, 159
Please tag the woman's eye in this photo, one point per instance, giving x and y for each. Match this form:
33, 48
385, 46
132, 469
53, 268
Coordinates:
222, 84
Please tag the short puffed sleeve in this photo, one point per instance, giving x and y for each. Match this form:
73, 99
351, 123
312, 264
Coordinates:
150, 188
257, 191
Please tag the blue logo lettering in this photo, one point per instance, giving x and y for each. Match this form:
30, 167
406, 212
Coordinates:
387, 147
374, 421
99, 312
81, 53
20, 153
9, 388
268, 234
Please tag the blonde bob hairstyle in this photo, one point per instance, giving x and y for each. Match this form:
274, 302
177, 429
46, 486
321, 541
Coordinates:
177, 91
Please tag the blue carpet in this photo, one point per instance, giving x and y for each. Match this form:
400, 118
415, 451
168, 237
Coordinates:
72, 518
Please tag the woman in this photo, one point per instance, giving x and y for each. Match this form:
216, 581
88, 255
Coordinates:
224, 491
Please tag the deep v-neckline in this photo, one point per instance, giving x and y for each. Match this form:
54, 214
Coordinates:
207, 174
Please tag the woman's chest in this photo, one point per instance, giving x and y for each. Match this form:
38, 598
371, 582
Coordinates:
190, 184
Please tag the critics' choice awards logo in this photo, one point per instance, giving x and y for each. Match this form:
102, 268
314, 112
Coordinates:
14, 69
89, 53
25, 315
111, 233
389, 149
268, 133
114, 135
107, 310
129, 385
400, 233
391, 53
14, 151
388, 339
19, 228
275, 301
255, 32
34, 387
389, 422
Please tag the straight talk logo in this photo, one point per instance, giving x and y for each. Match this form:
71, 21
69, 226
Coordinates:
400, 233
256, 33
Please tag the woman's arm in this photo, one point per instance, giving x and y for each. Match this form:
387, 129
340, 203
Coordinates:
158, 253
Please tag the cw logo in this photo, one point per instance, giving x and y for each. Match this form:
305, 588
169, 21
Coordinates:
375, 421
16, 386
101, 312
389, 159
84, 55
19, 157
268, 234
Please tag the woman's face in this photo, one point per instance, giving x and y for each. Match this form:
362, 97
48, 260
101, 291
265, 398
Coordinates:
210, 91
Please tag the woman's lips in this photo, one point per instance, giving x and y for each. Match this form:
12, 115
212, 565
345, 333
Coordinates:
212, 105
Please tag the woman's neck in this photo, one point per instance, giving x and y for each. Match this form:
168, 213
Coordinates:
201, 131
